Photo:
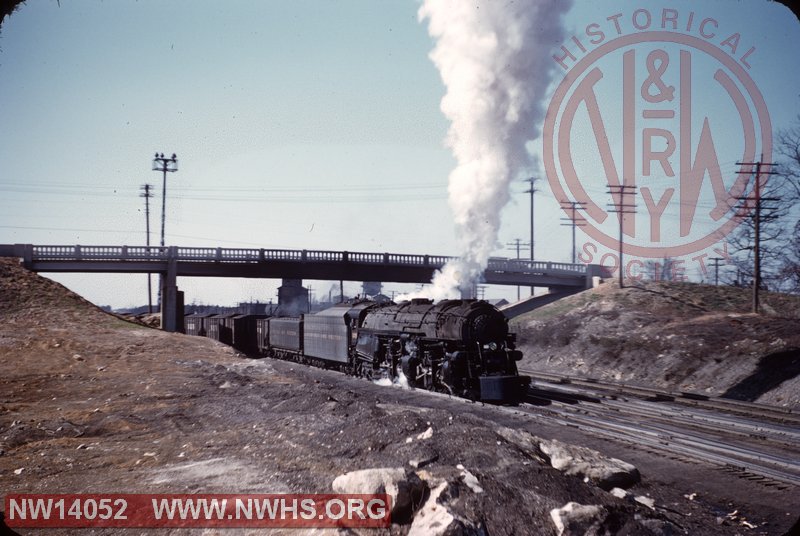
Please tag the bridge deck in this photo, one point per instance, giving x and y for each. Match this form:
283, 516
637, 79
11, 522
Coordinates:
284, 263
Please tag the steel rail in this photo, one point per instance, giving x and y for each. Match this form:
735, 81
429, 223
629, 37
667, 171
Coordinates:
721, 423
713, 444
689, 415
664, 441
777, 413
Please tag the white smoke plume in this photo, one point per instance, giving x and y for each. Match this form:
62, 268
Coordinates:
495, 58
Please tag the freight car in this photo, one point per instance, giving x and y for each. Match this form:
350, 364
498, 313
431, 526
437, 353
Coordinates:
239, 331
195, 324
460, 347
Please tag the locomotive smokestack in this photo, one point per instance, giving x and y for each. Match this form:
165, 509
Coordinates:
494, 57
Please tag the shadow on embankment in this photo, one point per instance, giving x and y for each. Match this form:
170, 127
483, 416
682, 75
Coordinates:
771, 371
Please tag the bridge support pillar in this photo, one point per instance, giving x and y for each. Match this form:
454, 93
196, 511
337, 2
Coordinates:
24, 252
171, 299
595, 271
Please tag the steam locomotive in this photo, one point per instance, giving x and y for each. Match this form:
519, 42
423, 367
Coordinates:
459, 347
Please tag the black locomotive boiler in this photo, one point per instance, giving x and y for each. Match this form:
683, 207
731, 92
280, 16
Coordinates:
461, 347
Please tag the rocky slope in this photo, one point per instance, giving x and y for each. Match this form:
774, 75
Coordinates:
681, 336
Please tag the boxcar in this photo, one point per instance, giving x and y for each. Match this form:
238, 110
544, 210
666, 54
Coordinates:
195, 324
244, 333
219, 328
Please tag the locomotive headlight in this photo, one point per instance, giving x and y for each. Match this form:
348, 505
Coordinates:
492, 346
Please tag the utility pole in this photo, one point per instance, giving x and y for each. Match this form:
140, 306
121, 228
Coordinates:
518, 245
621, 190
715, 261
164, 165
532, 190
757, 200
147, 195
573, 206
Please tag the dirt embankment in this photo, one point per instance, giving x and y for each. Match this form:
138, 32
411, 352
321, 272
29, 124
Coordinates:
681, 336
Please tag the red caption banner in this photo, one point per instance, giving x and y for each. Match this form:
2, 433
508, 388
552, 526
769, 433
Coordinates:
197, 510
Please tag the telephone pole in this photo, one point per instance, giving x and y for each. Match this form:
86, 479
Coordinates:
621, 190
164, 165
757, 199
480, 292
147, 195
715, 261
518, 245
573, 206
531, 190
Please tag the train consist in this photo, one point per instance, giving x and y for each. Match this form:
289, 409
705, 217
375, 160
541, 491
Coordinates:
460, 347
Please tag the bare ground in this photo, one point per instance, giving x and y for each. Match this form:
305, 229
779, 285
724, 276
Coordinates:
92, 403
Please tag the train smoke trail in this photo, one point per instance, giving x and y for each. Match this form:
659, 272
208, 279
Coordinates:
495, 58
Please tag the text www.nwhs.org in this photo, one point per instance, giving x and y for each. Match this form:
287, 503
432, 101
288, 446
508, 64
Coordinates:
201, 510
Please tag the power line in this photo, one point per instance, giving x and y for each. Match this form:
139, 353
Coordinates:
327, 199
216, 241
351, 188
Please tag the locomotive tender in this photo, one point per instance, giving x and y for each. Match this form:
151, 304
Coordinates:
460, 347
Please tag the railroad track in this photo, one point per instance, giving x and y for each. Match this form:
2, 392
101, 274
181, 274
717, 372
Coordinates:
734, 437
601, 388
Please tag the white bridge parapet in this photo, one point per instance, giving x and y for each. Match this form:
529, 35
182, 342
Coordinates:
88, 253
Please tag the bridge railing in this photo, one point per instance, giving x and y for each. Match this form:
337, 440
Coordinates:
332, 256
246, 255
78, 252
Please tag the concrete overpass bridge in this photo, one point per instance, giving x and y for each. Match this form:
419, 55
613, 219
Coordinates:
174, 261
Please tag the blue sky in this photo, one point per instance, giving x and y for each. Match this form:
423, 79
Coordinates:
304, 124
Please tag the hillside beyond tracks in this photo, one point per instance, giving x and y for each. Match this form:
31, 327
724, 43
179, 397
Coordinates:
675, 336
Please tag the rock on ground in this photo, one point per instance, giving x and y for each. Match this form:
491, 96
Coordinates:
406, 490
584, 462
575, 519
